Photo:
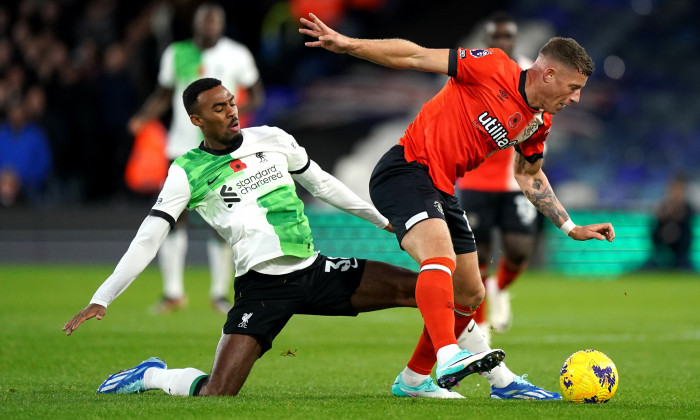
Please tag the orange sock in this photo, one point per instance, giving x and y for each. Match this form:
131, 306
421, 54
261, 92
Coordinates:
423, 358
505, 275
435, 300
463, 316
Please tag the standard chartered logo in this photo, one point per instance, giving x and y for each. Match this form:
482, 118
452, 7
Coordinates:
259, 179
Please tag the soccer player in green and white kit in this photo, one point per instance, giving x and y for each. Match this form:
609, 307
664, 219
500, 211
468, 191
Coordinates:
242, 183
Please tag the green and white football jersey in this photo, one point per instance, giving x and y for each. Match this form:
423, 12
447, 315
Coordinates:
247, 195
182, 63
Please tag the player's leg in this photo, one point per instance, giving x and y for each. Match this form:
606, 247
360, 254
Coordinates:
479, 208
467, 293
384, 286
233, 361
234, 358
220, 257
517, 223
171, 259
504, 383
404, 193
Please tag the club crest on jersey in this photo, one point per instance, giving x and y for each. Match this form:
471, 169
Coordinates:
478, 53
495, 130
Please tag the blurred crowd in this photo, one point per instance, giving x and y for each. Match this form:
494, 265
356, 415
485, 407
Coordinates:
72, 72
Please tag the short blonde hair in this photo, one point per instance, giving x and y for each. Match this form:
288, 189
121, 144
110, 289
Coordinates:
568, 52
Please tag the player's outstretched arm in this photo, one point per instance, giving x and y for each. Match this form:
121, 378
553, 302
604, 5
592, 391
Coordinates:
329, 189
395, 53
93, 310
535, 185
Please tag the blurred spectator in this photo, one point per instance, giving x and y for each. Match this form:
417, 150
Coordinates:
25, 157
672, 233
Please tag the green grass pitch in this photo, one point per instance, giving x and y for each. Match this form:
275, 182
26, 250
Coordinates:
342, 368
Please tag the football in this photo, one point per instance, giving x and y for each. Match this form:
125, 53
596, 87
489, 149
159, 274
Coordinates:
588, 376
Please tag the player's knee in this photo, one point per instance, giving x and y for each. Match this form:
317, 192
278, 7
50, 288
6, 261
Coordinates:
469, 293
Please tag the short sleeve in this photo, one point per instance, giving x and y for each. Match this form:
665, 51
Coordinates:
476, 64
166, 74
297, 159
532, 149
174, 196
249, 73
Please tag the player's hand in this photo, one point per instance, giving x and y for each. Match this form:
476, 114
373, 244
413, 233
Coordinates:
599, 231
389, 228
93, 310
327, 37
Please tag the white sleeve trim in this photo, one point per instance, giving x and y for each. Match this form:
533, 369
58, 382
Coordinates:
329, 189
141, 252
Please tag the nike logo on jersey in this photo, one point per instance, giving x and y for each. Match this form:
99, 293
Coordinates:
211, 181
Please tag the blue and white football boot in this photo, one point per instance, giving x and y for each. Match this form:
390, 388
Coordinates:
130, 381
522, 389
427, 389
465, 363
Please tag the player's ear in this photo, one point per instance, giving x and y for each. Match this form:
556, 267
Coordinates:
196, 120
549, 74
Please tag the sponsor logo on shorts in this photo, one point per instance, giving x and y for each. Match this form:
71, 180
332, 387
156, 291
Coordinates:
438, 205
244, 320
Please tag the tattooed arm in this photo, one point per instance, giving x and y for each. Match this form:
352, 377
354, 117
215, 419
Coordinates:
535, 185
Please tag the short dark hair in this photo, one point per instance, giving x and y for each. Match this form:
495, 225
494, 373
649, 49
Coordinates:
568, 52
189, 96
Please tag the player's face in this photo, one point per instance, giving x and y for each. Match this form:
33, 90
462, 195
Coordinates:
217, 116
209, 25
563, 88
501, 35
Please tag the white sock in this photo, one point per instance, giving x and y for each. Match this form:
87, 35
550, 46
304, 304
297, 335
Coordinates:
220, 266
473, 339
172, 381
445, 353
171, 258
412, 378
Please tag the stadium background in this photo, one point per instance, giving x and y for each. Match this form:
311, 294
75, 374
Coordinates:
88, 65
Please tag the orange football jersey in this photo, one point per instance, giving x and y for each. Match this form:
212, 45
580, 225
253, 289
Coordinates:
494, 175
482, 109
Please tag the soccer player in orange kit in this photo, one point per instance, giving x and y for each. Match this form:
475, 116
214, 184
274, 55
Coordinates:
488, 104
494, 204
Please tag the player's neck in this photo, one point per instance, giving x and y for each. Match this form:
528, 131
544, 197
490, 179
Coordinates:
222, 147
532, 98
